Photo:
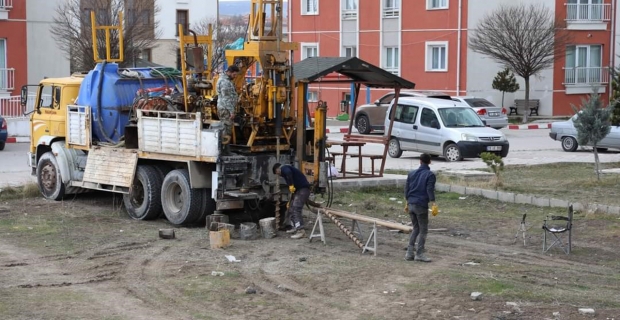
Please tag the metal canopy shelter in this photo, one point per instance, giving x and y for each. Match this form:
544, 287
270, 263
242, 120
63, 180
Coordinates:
359, 73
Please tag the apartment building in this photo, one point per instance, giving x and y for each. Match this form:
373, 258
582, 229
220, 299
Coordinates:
13, 66
425, 41
173, 12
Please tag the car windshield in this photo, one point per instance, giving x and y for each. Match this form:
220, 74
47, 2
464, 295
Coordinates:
478, 103
460, 117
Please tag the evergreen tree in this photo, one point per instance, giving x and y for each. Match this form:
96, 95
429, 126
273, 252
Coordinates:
592, 124
505, 81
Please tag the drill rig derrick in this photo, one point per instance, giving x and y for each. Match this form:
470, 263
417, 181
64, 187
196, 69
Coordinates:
265, 117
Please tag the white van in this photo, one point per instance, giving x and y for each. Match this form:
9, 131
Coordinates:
441, 128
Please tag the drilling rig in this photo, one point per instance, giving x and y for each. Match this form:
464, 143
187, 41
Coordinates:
154, 136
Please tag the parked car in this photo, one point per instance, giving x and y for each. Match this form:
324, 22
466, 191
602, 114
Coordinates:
3, 133
495, 117
566, 132
442, 128
371, 117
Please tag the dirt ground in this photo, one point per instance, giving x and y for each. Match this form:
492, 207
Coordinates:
83, 258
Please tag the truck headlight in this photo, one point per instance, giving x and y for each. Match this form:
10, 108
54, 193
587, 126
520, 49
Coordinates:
468, 137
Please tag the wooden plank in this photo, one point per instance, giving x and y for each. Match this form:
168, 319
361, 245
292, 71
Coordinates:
111, 166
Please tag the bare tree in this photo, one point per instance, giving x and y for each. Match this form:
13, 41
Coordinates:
524, 38
73, 31
227, 31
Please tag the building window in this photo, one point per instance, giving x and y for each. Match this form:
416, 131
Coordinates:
350, 9
146, 55
436, 4
588, 10
4, 71
313, 96
584, 65
309, 50
310, 7
437, 56
392, 59
391, 8
182, 19
350, 52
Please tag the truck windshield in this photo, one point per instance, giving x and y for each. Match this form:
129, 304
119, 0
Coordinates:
460, 117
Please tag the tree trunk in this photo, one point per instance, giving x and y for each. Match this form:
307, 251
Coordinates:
503, 92
527, 98
596, 163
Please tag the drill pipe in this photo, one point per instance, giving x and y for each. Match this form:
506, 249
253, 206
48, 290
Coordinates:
343, 229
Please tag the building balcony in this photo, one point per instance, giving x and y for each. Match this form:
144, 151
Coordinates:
5, 6
587, 16
349, 14
7, 79
581, 80
392, 12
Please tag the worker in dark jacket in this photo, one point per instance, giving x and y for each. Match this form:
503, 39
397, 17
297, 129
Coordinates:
299, 187
419, 191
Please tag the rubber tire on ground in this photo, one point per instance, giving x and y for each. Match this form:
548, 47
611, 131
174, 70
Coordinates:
362, 124
569, 144
2, 144
452, 153
55, 188
147, 186
394, 149
181, 204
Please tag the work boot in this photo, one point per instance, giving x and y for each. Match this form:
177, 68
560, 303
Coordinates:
301, 233
409, 255
422, 257
291, 230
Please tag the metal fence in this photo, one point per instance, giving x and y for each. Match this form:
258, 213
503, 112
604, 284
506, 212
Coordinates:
7, 78
588, 12
586, 75
10, 107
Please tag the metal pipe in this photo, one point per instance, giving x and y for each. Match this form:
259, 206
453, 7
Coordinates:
342, 228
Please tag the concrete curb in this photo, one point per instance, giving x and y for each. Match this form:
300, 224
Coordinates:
530, 126
18, 140
399, 181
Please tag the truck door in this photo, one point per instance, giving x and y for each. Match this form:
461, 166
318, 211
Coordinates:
48, 120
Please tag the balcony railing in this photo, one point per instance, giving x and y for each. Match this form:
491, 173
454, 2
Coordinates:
588, 12
586, 75
349, 14
391, 12
7, 78
6, 4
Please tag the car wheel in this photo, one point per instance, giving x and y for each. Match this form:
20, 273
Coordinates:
143, 202
181, 203
2, 144
394, 149
362, 124
452, 153
569, 144
48, 177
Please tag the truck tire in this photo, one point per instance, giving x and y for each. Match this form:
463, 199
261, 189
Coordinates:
181, 204
49, 179
207, 207
144, 199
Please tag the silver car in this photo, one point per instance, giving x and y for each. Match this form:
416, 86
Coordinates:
566, 132
494, 117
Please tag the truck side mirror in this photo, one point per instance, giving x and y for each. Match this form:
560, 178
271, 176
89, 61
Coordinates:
24, 96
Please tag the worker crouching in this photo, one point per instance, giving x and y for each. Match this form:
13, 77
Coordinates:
300, 189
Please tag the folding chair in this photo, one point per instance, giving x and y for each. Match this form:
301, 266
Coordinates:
557, 231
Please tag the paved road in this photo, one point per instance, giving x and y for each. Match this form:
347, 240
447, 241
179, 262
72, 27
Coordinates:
526, 147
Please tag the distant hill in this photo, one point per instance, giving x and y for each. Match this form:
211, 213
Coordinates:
231, 8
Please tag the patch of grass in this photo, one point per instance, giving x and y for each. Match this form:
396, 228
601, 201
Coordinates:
30, 190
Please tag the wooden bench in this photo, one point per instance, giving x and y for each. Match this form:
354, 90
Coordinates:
533, 105
372, 158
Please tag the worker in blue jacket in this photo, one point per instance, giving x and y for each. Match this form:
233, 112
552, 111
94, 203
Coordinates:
419, 192
299, 187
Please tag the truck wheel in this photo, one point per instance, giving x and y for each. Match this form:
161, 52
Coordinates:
569, 144
207, 207
48, 177
394, 149
144, 199
452, 153
181, 203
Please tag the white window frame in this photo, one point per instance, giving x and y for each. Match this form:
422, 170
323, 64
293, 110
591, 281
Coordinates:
429, 5
304, 8
349, 12
428, 64
391, 8
394, 52
308, 45
313, 95
352, 49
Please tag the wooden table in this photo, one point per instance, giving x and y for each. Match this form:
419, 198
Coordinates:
345, 148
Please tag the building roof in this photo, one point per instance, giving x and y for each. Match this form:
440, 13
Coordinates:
359, 71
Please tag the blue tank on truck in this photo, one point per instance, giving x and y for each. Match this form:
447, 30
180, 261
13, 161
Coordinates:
110, 94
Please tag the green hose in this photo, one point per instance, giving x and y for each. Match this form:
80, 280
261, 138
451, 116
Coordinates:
165, 72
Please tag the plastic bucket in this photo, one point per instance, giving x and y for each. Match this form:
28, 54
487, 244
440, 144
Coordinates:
268, 227
248, 230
